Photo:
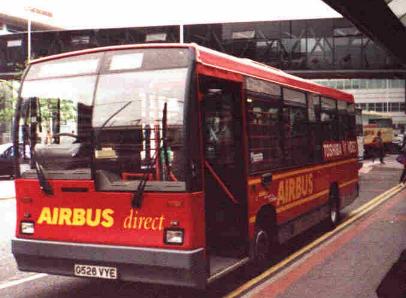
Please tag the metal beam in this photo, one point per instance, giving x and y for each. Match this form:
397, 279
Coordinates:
376, 20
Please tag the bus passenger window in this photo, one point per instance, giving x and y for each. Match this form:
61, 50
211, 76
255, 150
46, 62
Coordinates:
313, 104
265, 147
351, 122
296, 132
329, 120
296, 135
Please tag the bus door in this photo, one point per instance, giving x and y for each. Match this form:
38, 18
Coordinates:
225, 181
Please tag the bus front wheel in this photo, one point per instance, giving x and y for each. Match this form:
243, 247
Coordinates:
262, 244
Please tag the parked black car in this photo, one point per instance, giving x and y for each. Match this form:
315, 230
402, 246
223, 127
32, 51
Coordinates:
6, 159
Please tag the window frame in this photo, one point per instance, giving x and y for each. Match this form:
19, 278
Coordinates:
312, 107
332, 112
271, 102
293, 158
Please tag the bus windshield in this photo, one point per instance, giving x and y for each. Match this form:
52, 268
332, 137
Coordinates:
104, 112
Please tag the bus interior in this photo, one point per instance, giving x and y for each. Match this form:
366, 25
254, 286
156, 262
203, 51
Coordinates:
224, 187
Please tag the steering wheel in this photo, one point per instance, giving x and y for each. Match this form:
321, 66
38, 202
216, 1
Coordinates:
65, 134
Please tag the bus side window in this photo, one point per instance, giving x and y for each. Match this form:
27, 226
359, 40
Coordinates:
296, 135
313, 104
352, 128
264, 133
329, 120
296, 130
343, 120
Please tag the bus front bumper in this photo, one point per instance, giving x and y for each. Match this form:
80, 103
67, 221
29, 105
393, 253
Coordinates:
150, 265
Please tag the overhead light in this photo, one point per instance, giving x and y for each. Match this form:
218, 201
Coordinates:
155, 37
243, 34
80, 39
14, 43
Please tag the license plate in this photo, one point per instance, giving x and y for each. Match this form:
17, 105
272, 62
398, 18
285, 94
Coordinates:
95, 271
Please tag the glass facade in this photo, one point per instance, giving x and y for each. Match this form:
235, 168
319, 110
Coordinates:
316, 44
362, 83
382, 106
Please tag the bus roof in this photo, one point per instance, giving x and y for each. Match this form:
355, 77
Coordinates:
225, 62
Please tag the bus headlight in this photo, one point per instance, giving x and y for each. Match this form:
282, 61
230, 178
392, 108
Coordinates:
174, 236
27, 227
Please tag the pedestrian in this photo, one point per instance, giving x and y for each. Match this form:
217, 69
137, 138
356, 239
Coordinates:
48, 138
379, 147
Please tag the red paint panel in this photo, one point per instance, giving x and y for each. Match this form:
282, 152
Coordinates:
107, 218
302, 209
296, 192
218, 73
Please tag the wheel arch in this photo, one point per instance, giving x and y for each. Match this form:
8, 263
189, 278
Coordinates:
265, 220
335, 190
266, 217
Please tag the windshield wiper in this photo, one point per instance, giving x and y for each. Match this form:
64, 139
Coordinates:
165, 141
43, 182
137, 197
136, 201
34, 109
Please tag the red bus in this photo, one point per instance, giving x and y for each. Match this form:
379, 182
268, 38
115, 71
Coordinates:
173, 163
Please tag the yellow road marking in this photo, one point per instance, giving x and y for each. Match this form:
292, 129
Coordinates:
352, 217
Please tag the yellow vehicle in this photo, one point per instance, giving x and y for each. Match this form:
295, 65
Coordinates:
372, 122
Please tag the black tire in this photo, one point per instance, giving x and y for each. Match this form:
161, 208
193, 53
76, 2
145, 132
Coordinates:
334, 209
261, 246
260, 254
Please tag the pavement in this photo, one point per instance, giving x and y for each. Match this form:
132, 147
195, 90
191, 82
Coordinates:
389, 162
352, 264
7, 190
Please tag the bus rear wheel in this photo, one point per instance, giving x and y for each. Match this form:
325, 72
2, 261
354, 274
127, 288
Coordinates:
334, 208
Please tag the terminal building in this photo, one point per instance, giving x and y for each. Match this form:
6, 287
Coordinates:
379, 95
331, 51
